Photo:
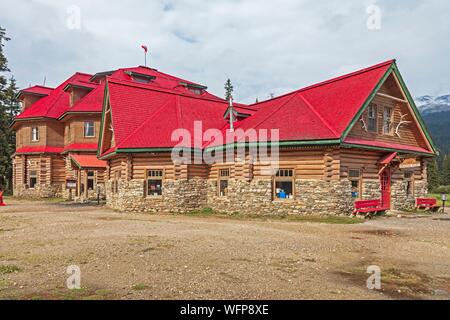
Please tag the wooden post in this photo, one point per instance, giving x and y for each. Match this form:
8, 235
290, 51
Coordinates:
86, 193
78, 182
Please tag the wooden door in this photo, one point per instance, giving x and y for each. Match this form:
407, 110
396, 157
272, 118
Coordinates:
385, 180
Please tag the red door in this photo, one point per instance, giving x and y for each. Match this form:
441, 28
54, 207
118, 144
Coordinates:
386, 188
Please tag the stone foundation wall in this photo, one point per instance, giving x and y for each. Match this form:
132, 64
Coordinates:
371, 189
317, 197
401, 200
255, 197
40, 191
179, 196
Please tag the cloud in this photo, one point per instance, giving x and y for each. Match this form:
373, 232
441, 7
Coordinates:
264, 47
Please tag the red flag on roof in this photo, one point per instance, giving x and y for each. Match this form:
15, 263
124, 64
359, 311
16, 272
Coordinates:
145, 48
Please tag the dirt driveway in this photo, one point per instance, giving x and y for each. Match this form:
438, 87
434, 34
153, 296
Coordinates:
138, 256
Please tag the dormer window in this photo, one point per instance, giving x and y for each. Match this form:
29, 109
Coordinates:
194, 88
34, 134
140, 77
89, 129
196, 91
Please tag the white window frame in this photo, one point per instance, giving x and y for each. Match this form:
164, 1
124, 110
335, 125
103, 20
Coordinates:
87, 127
35, 134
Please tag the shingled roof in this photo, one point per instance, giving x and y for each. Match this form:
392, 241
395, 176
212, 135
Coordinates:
145, 117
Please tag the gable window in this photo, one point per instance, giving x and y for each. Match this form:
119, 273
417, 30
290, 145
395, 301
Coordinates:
409, 183
33, 179
372, 118
283, 184
224, 176
89, 129
355, 177
387, 120
154, 183
35, 134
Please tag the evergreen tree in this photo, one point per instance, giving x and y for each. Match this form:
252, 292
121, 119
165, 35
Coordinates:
228, 90
433, 175
446, 171
8, 109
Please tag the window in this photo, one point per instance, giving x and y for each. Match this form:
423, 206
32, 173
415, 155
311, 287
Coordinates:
387, 120
34, 134
224, 175
89, 129
409, 183
90, 180
372, 118
33, 179
196, 91
155, 182
283, 186
115, 182
355, 177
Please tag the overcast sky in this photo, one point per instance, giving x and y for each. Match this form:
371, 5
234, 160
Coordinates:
263, 46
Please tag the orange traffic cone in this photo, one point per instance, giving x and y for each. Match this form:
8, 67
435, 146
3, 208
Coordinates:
2, 204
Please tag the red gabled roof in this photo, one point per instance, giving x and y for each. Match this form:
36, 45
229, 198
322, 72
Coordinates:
56, 103
37, 90
321, 111
88, 161
145, 115
92, 102
43, 149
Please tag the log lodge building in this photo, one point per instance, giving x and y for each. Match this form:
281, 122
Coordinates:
358, 136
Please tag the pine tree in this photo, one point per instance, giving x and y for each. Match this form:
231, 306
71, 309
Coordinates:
433, 175
8, 109
446, 171
228, 90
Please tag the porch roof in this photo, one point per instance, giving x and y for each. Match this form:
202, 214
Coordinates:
87, 161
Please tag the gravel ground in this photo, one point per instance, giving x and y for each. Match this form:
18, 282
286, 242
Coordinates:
139, 256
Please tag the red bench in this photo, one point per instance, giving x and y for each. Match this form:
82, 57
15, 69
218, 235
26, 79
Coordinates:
427, 203
368, 207
2, 204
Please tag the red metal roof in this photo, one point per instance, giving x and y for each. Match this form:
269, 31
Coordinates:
387, 159
88, 161
39, 90
385, 145
55, 104
43, 149
145, 117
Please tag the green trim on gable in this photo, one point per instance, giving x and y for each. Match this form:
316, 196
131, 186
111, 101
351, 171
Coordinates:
393, 69
359, 146
100, 136
414, 108
368, 101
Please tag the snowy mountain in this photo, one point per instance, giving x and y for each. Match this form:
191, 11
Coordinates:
429, 104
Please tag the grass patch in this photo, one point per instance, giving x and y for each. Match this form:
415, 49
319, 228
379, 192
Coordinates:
290, 218
395, 282
140, 287
9, 269
439, 198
